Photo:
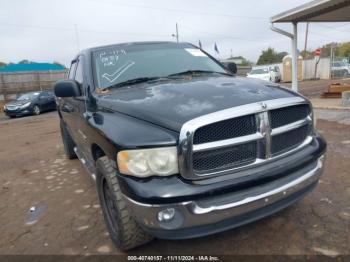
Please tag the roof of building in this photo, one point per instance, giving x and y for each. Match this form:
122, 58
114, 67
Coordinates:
316, 11
31, 67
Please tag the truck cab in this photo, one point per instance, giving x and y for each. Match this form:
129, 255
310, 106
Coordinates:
180, 147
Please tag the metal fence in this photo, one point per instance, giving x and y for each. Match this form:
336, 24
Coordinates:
14, 84
321, 71
340, 67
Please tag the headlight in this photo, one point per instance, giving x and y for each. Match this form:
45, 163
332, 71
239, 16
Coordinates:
25, 105
148, 162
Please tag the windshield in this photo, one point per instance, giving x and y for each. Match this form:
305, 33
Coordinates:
28, 96
259, 71
115, 65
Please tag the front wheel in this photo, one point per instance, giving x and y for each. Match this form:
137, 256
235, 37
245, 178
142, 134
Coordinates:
36, 110
122, 228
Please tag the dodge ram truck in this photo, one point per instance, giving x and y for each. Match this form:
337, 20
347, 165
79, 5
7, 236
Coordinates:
181, 147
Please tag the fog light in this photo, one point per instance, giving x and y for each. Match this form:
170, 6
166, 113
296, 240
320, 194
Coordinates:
166, 215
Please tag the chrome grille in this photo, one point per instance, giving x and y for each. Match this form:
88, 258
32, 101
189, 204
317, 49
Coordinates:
240, 137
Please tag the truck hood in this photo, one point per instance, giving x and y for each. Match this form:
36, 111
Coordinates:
172, 103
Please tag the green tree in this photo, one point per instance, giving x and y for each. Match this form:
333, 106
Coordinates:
25, 61
270, 56
343, 50
307, 54
245, 61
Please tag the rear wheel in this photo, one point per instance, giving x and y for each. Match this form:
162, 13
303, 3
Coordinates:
68, 142
122, 228
36, 110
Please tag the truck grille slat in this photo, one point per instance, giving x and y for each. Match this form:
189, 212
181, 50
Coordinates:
287, 141
244, 136
230, 128
283, 116
225, 158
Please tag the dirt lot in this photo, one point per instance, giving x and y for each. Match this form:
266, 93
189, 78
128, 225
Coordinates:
314, 89
34, 172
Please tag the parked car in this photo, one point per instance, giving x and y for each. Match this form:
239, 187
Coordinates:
268, 73
180, 147
31, 103
340, 69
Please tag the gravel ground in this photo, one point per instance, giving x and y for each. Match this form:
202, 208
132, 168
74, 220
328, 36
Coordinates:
339, 116
314, 88
67, 217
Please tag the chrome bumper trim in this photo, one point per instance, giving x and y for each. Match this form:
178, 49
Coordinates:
204, 212
283, 189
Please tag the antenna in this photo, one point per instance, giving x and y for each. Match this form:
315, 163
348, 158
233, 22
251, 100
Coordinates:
77, 36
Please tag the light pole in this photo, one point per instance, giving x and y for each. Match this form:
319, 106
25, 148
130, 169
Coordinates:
177, 34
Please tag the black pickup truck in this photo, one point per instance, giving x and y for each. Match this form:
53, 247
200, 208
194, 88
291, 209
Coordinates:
179, 146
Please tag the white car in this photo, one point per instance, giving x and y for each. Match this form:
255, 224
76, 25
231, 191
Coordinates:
267, 73
340, 69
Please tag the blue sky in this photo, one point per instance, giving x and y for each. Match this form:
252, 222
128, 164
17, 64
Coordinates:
43, 30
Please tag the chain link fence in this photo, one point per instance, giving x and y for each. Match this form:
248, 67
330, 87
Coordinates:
340, 67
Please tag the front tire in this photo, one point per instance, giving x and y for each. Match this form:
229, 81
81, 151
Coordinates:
122, 228
36, 110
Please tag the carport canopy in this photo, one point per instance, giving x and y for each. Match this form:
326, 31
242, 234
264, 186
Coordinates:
314, 11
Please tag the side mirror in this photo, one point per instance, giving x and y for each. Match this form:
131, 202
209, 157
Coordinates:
67, 88
232, 67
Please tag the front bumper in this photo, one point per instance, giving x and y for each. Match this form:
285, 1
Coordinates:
214, 214
18, 112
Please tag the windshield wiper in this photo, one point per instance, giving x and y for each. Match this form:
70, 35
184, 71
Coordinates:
193, 72
133, 81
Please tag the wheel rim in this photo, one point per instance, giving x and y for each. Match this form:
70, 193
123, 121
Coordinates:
36, 110
111, 209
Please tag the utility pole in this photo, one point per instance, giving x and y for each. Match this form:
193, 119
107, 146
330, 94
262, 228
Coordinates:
330, 62
177, 34
306, 36
77, 36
